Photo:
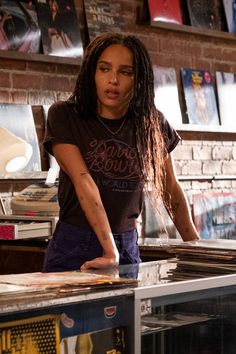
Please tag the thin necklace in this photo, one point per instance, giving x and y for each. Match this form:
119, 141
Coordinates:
108, 129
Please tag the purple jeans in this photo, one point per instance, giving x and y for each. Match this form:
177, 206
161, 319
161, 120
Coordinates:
71, 246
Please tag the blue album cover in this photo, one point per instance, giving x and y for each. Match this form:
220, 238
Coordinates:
230, 14
200, 98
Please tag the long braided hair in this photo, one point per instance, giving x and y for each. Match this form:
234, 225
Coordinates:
149, 140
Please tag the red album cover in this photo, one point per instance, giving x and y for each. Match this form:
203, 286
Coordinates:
165, 11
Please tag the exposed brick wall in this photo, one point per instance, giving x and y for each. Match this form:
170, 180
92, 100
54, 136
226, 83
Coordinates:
38, 82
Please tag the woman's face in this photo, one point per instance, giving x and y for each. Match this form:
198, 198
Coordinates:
114, 79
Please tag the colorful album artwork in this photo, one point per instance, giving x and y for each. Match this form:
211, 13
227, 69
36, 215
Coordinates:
19, 29
60, 28
215, 215
18, 120
200, 98
103, 16
165, 11
226, 91
166, 91
230, 14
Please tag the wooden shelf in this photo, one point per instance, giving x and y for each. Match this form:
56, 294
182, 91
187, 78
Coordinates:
206, 132
194, 31
203, 178
53, 59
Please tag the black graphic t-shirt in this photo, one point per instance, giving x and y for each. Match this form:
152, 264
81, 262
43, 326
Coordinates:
111, 159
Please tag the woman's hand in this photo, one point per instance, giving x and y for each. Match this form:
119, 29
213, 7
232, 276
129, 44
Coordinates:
101, 263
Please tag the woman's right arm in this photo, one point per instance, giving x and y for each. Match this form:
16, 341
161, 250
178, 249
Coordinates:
72, 163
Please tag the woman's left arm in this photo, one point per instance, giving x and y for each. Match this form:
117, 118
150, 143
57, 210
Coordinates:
181, 213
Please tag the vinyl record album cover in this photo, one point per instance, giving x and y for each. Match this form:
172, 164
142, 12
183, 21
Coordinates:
165, 11
18, 120
166, 91
59, 27
205, 13
200, 97
230, 14
226, 91
103, 16
215, 215
19, 29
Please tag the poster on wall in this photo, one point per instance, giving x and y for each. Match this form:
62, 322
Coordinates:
103, 16
19, 28
16, 121
215, 215
200, 97
226, 92
59, 28
166, 91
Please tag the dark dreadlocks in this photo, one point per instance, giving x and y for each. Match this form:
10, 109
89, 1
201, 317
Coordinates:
149, 140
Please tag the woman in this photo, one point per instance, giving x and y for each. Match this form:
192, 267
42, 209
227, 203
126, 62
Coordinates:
111, 144
58, 38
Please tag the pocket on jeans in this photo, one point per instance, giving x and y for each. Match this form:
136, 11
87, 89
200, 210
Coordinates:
132, 255
63, 247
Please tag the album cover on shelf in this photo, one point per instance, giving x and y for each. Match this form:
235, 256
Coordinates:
230, 14
18, 120
53, 165
166, 11
200, 97
226, 92
103, 16
166, 91
19, 29
215, 215
59, 28
205, 14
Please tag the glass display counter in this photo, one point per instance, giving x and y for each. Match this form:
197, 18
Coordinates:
155, 316
179, 317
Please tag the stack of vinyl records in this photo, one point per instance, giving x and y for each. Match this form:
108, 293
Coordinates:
199, 259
